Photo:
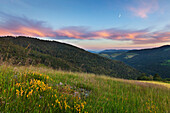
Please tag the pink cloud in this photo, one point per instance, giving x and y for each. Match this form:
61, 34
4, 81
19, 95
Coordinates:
16, 26
144, 7
72, 32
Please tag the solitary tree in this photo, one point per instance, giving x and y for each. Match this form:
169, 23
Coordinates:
150, 77
157, 77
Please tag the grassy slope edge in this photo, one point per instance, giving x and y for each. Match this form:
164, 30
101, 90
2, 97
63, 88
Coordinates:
37, 89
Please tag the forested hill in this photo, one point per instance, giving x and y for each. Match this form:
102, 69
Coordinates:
151, 61
25, 50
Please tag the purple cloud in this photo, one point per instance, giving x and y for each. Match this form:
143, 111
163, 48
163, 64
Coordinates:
13, 25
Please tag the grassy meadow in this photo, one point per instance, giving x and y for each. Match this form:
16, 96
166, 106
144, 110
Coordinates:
40, 89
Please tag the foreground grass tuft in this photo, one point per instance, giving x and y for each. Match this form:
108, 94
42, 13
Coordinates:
34, 89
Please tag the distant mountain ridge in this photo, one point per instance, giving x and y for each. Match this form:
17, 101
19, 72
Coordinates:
114, 50
151, 49
26, 50
94, 51
110, 51
151, 61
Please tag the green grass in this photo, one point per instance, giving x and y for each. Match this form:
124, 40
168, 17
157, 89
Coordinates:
130, 55
115, 55
166, 63
36, 89
105, 55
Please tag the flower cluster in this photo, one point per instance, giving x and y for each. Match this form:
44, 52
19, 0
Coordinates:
60, 98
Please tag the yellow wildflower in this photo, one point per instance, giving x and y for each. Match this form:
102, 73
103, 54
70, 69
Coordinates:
17, 92
22, 91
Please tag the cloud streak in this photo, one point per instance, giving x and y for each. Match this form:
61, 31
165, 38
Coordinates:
15, 26
144, 7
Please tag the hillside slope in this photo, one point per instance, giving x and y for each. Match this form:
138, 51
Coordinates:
151, 61
25, 50
33, 90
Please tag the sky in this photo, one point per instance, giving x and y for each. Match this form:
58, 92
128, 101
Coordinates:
89, 24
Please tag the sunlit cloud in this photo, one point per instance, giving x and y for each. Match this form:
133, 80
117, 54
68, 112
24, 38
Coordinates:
144, 7
15, 26
72, 32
